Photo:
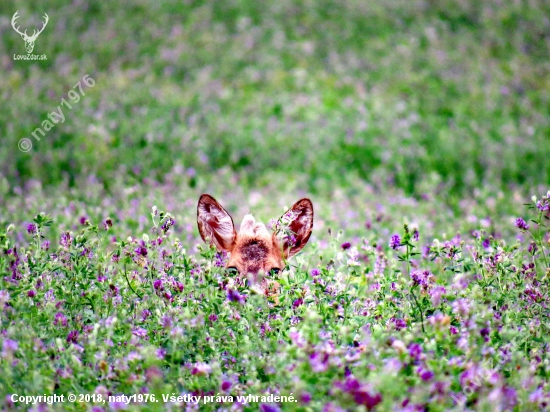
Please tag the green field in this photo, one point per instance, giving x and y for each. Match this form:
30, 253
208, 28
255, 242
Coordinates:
394, 117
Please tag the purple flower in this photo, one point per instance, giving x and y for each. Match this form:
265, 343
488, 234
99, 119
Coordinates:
264, 407
485, 333
114, 290
9, 347
83, 220
441, 387
315, 272
350, 385
141, 250
140, 332
297, 303
8, 402
65, 239
4, 298
107, 224
297, 339
537, 396
521, 224
416, 235
436, 294
543, 204
145, 313
31, 293
46, 245
201, 369
220, 259
346, 245
235, 296
213, 317
400, 324
425, 374
510, 397
415, 350
330, 407
290, 239
294, 320
178, 286
305, 397
60, 318
72, 336
166, 322
363, 397
395, 242
226, 385
157, 284
360, 392
420, 278
461, 307
272, 224
31, 229
87, 252
318, 362
168, 223
486, 243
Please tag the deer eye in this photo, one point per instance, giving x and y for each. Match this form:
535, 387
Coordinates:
274, 271
232, 271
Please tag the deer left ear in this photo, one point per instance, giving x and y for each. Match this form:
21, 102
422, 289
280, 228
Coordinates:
300, 225
215, 224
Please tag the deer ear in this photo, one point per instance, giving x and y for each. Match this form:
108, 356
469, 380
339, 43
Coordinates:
301, 224
215, 224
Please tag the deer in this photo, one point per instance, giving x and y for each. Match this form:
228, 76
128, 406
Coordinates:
254, 252
29, 40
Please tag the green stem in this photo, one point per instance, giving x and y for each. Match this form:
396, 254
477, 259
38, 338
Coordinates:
407, 255
538, 242
540, 239
128, 281
345, 299
90, 303
419, 310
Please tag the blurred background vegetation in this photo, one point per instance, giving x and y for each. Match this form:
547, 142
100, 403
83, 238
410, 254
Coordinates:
447, 95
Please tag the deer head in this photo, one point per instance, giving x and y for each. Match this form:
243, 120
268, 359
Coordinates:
29, 40
254, 249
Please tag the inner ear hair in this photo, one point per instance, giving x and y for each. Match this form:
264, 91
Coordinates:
301, 226
215, 223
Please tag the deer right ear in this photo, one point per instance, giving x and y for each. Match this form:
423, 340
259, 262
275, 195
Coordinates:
301, 225
215, 224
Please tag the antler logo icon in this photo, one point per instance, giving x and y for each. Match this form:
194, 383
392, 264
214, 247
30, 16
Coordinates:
29, 40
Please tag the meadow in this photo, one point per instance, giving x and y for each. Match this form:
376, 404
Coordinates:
419, 130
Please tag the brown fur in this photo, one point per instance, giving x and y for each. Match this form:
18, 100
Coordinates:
253, 250
255, 254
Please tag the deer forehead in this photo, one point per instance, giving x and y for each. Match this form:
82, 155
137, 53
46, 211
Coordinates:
251, 228
254, 242
254, 253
